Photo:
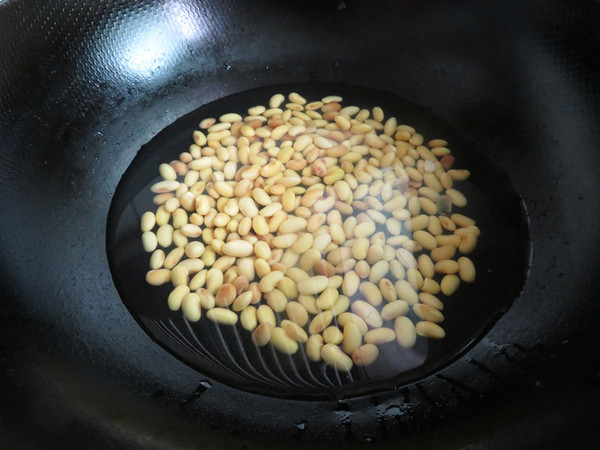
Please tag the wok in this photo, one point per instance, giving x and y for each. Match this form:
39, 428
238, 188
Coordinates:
83, 85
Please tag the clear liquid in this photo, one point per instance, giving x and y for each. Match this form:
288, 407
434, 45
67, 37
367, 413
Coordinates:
227, 354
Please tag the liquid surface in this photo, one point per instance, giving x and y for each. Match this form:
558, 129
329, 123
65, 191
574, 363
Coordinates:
227, 353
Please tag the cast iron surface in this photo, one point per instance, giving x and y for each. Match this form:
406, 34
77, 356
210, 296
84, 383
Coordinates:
84, 84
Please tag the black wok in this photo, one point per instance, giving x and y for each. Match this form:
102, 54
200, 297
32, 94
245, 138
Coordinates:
83, 85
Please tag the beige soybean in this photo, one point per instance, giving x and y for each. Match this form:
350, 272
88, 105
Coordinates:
365, 355
276, 300
348, 317
388, 290
270, 210
428, 313
335, 281
426, 266
207, 300
190, 230
313, 347
332, 335
406, 258
276, 100
446, 251
295, 331
262, 334
167, 172
397, 269
164, 186
456, 197
262, 250
173, 257
321, 242
162, 216
367, 312
284, 240
242, 301
378, 271
312, 285
341, 305
327, 298
194, 249
406, 334
288, 201
430, 330
427, 240
248, 318
379, 336
262, 268
350, 283
437, 143
293, 225
320, 322
297, 313
149, 241
179, 240
193, 265
214, 280
466, 269
463, 231
394, 309
467, 243
406, 292
434, 227
309, 259
190, 306
335, 357
446, 266
303, 243
147, 221
265, 314
352, 337
448, 239
461, 220
171, 206
447, 223
238, 248
288, 287
414, 278
430, 300
449, 284
270, 280
248, 207
157, 259
430, 286
296, 274
283, 342
222, 316
176, 297
338, 255
179, 276
364, 229
362, 269
371, 293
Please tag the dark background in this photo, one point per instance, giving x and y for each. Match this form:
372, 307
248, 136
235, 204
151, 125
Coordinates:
83, 85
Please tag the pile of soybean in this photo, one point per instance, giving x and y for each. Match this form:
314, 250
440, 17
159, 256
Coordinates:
312, 224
